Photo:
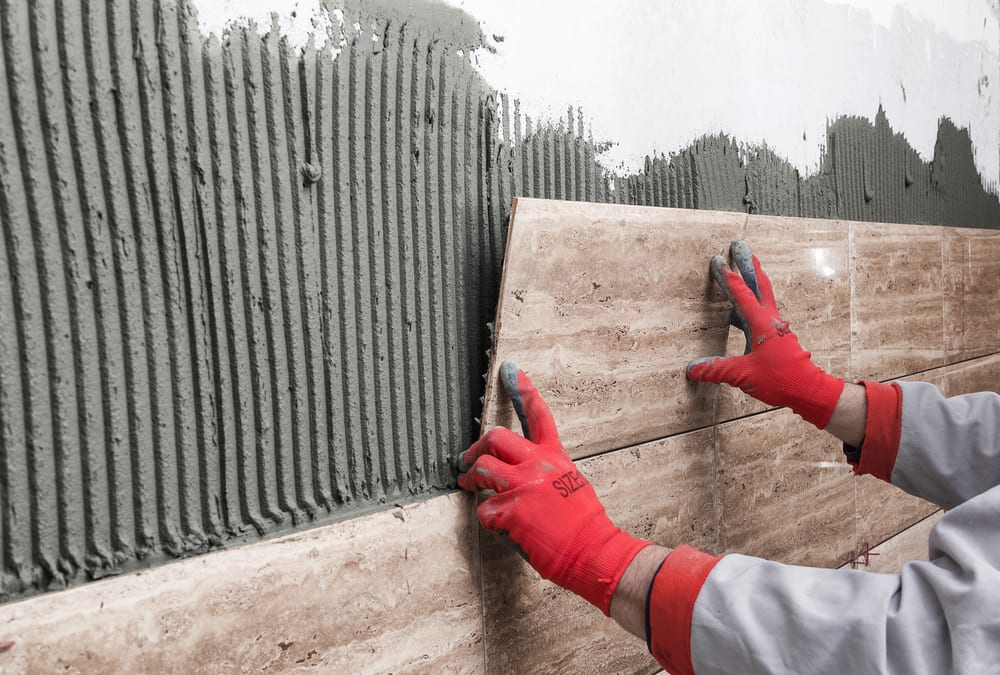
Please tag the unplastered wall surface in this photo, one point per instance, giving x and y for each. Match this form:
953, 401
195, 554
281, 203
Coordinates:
248, 267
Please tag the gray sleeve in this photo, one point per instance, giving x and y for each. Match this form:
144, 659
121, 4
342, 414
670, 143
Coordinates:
949, 449
757, 616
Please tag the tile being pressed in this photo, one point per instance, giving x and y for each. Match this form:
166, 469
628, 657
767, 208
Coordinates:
972, 293
397, 591
890, 556
897, 305
786, 491
662, 491
604, 306
808, 263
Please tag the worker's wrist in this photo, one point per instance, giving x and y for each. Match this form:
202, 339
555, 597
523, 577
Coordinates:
820, 395
594, 564
848, 420
629, 603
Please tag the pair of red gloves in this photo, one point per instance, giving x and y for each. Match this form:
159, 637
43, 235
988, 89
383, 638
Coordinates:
548, 509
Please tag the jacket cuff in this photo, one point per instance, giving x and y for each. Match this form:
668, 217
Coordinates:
595, 578
882, 431
670, 608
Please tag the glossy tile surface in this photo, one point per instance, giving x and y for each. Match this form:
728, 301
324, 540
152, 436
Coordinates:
808, 263
898, 299
785, 491
604, 306
972, 293
661, 491
397, 591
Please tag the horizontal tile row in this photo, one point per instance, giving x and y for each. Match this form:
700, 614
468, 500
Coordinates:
768, 485
397, 591
411, 590
604, 306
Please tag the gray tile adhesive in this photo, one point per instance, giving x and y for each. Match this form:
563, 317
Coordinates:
247, 288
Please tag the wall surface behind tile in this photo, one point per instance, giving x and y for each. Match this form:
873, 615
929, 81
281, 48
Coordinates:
247, 281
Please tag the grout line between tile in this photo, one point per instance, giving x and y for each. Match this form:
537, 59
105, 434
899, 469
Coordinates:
945, 366
858, 529
769, 410
482, 582
717, 491
944, 309
906, 529
851, 375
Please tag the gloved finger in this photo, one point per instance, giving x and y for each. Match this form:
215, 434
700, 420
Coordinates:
743, 299
764, 283
499, 442
718, 267
744, 259
733, 285
536, 419
487, 473
696, 369
732, 370
493, 512
737, 320
497, 514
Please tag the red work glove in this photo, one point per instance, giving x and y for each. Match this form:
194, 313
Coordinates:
775, 369
543, 504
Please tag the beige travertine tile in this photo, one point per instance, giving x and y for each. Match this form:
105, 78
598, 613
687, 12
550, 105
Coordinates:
936, 376
890, 556
662, 491
884, 510
786, 493
982, 374
397, 591
808, 263
603, 340
604, 306
972, 293
897, 304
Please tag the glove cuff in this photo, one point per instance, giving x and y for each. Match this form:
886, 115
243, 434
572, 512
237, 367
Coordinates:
594, 563
818, 398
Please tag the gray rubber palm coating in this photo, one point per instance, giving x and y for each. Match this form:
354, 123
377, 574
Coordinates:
508, 376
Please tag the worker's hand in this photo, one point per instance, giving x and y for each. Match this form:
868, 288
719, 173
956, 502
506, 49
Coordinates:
774, 368
543, 504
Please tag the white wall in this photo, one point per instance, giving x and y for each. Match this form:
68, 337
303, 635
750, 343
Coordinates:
655, 75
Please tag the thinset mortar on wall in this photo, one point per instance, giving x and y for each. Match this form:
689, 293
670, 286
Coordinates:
246, 288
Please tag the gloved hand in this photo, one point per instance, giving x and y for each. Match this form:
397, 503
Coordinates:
774, 368
543, 504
